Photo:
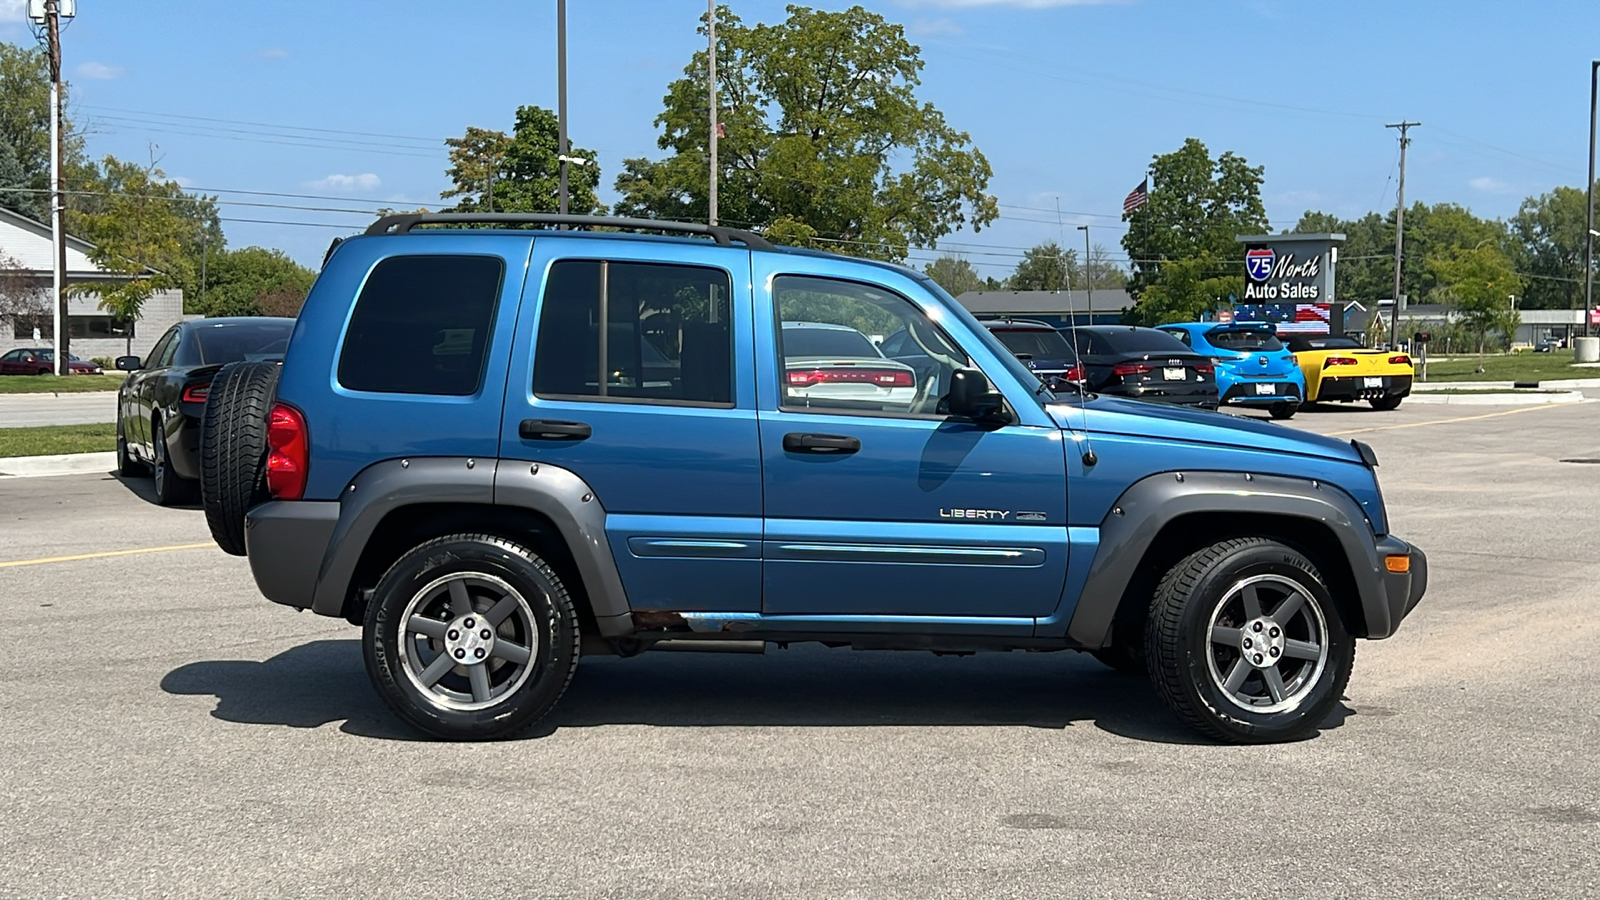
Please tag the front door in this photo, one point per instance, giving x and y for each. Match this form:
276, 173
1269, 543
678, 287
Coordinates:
639, 381
878, 503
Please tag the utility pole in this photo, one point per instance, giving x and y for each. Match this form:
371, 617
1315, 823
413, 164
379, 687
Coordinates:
711, 57
1588, 238
49, 13
1399, 232
562, 150
1088, 277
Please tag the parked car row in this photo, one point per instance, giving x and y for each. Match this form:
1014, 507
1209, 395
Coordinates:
1207, 364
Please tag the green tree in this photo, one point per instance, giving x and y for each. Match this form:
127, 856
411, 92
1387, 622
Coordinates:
1480, 283
1046, 267
1549, 244
116, 188
140, 237
520, 172
1365, 270
254, 281
15, 193
1197, 206
825, 140
954, 274
1185, 289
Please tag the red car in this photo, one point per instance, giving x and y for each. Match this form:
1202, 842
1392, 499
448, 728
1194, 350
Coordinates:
41, 361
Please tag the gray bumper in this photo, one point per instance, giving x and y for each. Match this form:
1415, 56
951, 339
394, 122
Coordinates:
1401, 590
286, 541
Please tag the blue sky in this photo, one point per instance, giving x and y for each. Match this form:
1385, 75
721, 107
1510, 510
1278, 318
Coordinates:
1067, 98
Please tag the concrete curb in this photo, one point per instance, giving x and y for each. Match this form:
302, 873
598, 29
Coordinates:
1424, 386
1506, 399
60, 464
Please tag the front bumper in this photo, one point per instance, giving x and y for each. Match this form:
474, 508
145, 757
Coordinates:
1363, 387
1402, 590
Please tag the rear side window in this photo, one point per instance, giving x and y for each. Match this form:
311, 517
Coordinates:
667, 335
422, 325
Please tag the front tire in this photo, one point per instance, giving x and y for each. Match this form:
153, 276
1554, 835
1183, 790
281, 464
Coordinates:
171, 489
471, 637
127, 466
1245, 642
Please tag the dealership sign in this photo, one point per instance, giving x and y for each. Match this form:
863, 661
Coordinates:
1288, 268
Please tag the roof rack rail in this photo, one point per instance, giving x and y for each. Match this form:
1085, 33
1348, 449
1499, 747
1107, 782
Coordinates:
404, 222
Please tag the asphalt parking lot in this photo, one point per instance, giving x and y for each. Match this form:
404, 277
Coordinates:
165, 731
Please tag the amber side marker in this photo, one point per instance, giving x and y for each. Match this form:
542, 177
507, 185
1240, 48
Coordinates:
1398, 564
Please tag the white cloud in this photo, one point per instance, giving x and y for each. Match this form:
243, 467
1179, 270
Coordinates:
1023, 4
183, 182
935, 28
98, 71
363, 182
1489, 185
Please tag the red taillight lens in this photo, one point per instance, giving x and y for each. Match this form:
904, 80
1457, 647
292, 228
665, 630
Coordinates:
288, 452
879, 377
1073, 374
196, 393
1131, 369
1204, 368
1401, 360
1338, 361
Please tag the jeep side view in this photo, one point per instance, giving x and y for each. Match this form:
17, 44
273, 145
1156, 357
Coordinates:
494, 444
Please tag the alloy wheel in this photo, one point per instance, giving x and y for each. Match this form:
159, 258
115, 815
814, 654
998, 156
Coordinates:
468, 640
1267, 643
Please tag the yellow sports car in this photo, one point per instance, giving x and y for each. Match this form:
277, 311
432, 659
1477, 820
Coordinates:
1339, 368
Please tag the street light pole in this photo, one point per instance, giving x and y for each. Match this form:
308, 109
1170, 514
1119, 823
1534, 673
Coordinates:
711, 79
1088, 277
562, 150
1588, 244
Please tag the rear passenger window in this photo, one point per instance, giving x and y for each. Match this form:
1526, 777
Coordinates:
666, 335
422, 325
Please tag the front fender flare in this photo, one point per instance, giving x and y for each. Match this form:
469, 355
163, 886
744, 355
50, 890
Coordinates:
1138, 516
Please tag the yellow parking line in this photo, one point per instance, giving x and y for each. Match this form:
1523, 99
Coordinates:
1503, 412
56, 559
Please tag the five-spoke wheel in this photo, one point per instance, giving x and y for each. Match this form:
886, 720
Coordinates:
470, 637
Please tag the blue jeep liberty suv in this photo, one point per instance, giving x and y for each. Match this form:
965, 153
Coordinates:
497, 441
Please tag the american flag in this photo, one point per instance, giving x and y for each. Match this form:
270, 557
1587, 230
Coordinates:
1138, 197
1297, 318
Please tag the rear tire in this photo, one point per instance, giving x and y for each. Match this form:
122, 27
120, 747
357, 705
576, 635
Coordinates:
1386, 403
1245, 643
1283, 410
233, 448
436, 604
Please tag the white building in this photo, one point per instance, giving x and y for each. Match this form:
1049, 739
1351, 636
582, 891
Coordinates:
91, 331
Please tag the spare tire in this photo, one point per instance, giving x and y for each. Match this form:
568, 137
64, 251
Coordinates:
233, 448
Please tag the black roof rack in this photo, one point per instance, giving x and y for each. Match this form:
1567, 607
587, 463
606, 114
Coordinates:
404, 222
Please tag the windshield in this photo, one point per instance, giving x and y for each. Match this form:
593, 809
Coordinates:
1020, 372
245, 341
1038, 344
1142, 340
1244, 339
1323, 343
807, 341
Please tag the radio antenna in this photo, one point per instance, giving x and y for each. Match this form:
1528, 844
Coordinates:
1089, 456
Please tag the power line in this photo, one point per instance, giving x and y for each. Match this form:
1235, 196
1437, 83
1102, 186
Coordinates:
142, 112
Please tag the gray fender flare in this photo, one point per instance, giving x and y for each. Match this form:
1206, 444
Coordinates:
556, 493
1151, 503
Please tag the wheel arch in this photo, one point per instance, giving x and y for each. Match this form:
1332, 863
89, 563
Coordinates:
1163, 518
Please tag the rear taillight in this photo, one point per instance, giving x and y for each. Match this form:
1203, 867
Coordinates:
1338, 361
1401, 360
288, 452
1073, 374
879, 377
1204, 368
196, 393
1131, 369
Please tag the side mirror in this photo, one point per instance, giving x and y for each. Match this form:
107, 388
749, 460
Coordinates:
129, 363
972, 397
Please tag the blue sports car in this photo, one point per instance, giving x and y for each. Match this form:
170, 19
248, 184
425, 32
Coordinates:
1253, 366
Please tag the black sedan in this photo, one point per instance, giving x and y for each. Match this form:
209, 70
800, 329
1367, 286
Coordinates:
160, 404
1041, 348
1144, 364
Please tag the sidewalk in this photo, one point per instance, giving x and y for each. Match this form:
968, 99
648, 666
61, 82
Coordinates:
89, 408
63, 464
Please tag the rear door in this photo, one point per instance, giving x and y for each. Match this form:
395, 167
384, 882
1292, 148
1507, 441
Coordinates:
633, 370
889, 507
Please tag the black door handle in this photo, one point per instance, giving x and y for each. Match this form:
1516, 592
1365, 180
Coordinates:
553, 430
838, 444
